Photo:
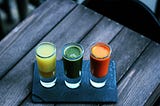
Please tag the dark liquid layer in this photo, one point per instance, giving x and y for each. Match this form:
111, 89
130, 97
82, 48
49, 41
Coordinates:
47, 74
72, 68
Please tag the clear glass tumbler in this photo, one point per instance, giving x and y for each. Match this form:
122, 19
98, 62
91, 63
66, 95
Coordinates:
72, 61
46, 60
99, 64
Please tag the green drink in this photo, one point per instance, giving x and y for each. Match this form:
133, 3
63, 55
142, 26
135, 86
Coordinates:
72, 61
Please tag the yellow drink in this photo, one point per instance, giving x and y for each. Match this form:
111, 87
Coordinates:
46, 59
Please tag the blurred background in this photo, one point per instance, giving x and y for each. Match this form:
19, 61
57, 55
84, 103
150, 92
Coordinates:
13, 12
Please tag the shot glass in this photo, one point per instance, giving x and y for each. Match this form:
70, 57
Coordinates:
46, 60
99, 64
72, 62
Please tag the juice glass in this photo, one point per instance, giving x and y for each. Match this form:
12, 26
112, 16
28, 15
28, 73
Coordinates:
72, 62
46, 61
99, 64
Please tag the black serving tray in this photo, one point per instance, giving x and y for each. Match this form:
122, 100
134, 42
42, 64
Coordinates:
85, 93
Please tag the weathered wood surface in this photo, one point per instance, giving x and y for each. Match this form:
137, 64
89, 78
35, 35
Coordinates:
15, 33
137, 57
126, 48
97, 33
20, 28
47, 19
143, 78
121, 52
19, 78
28, 102
104, 31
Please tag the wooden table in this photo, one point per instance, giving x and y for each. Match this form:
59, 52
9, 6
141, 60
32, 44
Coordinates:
63, 21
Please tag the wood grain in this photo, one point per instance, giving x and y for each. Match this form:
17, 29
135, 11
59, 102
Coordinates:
16, 32
16, 85
28, 102
77, 24
142, 80
126, 48
104, 31
78, 104
137, 59
29, 37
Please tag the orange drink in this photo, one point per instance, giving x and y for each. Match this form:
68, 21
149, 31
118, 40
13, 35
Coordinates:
99, 63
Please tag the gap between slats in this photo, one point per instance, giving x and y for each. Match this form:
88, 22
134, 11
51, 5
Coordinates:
28, 97
55, 28
36, 43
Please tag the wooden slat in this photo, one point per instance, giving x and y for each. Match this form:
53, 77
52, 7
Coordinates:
78, 104
79, 23
154, 98
28, 102
15, 33
137, 42
16, 85
126, 48
19, 29
101, 32
105, 31
48, 18
142, 80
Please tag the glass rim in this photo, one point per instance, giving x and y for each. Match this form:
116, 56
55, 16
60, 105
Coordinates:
104, 44
74, 44
42, 43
